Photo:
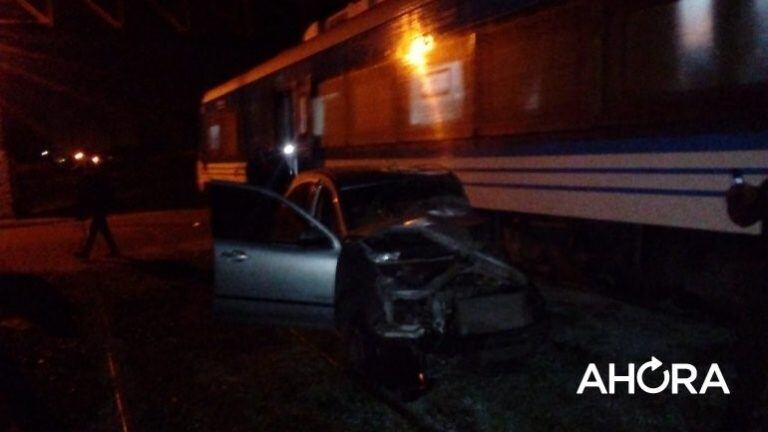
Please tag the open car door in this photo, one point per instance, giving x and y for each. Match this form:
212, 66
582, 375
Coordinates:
273, 262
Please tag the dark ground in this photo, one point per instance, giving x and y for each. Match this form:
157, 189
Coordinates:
174, 368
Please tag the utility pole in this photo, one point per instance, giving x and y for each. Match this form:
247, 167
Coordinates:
6, 191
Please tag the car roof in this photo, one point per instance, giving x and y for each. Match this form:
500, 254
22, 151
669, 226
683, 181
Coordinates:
352, 177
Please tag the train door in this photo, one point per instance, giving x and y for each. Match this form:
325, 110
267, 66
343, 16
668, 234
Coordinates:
284, 114
293, 124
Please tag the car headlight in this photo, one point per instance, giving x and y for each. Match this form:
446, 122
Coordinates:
385, 257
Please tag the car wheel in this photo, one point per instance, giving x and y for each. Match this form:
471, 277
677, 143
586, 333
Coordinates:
392, 365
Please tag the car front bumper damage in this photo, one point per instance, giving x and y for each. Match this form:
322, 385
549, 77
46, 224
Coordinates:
458, 292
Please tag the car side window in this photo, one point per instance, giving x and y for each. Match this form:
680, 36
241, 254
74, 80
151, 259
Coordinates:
292, 228
245, 214
325, 210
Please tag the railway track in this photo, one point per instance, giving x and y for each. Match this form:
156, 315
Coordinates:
416, 420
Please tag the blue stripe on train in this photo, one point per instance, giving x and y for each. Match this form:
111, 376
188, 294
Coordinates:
506, 146
697, 171
613, 190
696, 143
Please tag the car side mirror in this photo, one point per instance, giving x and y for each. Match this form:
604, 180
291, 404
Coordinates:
313, 238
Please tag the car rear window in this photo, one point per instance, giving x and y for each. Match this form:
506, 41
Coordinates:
380, 201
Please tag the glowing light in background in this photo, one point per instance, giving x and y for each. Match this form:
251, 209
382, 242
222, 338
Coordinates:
79, 156
289, 149
44, 153
96, 160
418, 49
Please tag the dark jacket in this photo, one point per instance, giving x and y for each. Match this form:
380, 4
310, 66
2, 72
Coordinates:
95, 195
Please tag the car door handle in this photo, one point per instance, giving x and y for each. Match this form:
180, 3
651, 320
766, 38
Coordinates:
235, 255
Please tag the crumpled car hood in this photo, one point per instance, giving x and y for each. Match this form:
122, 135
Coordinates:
451, 234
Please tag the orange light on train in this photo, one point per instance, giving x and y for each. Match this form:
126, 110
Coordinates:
418, 50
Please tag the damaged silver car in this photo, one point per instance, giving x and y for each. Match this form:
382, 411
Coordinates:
398, 261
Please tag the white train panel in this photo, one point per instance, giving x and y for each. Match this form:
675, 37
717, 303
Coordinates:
678, 189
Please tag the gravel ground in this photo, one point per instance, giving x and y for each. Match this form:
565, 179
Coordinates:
176, 369
539, 392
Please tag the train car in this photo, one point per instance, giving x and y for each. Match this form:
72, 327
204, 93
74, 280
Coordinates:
572, 117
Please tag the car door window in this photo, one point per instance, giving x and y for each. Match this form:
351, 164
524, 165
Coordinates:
242, 214
303, 196
292, 228
325, 210
249, 214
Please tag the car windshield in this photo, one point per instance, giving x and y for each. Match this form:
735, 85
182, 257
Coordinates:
383, 200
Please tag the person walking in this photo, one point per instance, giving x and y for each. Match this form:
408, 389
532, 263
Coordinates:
95, 198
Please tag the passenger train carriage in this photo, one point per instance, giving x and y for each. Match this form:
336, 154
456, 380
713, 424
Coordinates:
636, 111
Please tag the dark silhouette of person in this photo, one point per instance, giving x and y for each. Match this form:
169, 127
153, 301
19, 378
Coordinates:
95, 198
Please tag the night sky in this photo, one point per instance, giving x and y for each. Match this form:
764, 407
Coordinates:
84, 84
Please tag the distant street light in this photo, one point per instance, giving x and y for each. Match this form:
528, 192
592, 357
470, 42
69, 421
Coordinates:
79, 156
96, 160
44, 153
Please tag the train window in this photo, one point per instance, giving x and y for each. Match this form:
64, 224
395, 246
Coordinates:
318, 116
437, 95
690, 45
760, 19
221, 136
214, 137
670, 47
331, 93
438, 87
540, 72
688, 61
